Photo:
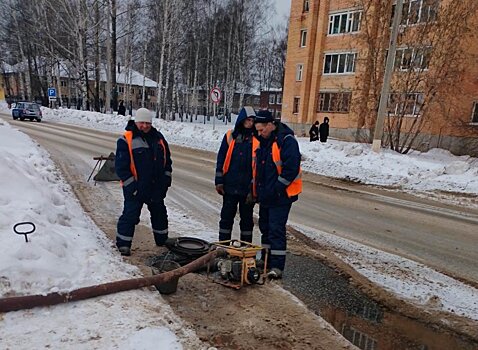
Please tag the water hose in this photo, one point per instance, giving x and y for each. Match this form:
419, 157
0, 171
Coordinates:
31, 301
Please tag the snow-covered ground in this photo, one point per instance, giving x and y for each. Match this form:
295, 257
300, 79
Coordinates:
68, 251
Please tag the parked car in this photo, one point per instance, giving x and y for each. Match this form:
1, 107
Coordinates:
26, 110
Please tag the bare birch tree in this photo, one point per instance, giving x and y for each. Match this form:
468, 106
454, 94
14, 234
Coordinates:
428, 65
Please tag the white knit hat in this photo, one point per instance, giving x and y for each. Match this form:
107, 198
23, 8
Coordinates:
143, 115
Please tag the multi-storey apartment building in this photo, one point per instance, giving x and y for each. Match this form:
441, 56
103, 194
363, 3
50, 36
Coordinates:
336, 59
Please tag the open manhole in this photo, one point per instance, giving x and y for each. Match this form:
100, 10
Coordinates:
182, 250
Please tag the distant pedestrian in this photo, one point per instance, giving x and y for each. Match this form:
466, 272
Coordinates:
314, 131
233, 180
121, 109
324, 130
130, 108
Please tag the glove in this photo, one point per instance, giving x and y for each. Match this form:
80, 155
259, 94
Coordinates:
168, 180
220, 189
131, 190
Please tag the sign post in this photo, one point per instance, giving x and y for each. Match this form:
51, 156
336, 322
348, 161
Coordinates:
215, 96
51, 95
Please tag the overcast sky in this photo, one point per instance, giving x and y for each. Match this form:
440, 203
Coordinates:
282, 9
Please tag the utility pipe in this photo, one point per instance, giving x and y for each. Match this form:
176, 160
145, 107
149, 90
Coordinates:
31, 301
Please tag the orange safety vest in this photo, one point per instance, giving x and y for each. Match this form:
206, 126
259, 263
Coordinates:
295, 187
227, 162
128, 135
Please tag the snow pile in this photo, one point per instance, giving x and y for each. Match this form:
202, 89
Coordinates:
67, 251
64, 252
436, 169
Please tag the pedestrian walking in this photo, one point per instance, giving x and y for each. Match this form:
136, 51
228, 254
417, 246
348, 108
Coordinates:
130, 108
234, 168
121, 109
143, 163
324, 130
314, 131
277, 185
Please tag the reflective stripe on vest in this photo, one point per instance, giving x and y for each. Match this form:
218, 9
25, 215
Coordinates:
231, 142
255, 146
128, 135
161, 141
295, 187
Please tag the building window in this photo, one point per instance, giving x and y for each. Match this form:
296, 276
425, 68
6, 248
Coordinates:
345, 22
474, 117
63, 83
298, 72
132, 90
405, 104
334, 102
295, 108
121, 89
359, 339
370, 312
306, 6
343, 63
303, 37
417, 58
418, 11
279, 99
272, 99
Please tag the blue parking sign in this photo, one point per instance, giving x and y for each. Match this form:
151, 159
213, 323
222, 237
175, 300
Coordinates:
51, 92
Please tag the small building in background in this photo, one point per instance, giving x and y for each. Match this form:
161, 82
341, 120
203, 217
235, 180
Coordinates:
271, 99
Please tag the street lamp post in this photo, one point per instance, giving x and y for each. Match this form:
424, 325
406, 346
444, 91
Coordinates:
377, 136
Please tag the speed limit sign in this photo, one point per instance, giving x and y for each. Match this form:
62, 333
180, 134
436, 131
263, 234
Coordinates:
215, 95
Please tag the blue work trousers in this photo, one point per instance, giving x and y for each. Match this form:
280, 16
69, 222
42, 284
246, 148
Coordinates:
272, 221
230, 202
130, 218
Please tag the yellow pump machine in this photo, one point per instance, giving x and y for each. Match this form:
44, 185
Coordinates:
238, 267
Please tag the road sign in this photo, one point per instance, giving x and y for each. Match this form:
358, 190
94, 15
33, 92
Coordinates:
215, 95
51, 92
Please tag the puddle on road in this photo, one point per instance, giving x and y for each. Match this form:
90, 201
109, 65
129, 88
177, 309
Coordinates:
358, 318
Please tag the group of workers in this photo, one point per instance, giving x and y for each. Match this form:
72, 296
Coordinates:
258, 162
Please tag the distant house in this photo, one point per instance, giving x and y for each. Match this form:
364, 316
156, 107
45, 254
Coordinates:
249, 99
271, 100
129, 86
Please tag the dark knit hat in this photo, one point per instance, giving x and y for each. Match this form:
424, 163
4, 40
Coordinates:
264, 116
